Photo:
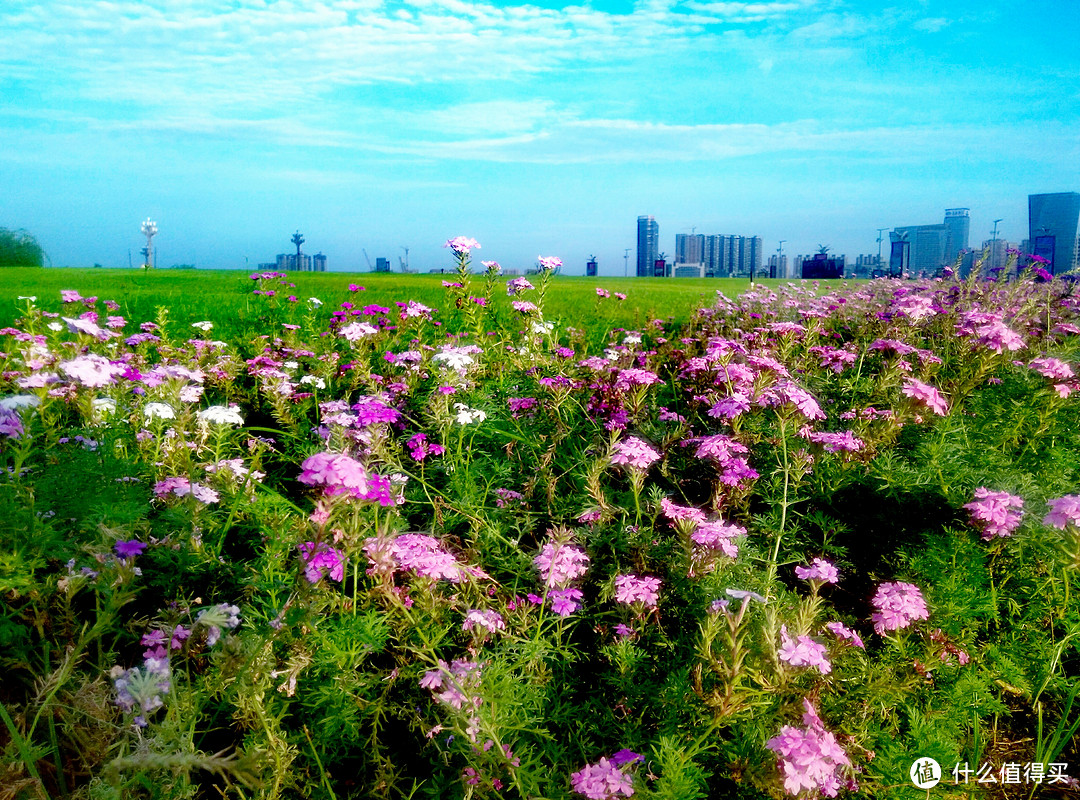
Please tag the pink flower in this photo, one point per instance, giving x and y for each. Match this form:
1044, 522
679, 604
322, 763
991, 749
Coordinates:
631, 589
549, 263
680, 513
341, 474
718, 535
927, 395
560, 563
819, 570
462, 244
843, 632
182, 487
992, 512
803, 652
1063, 510
898, 605
487, 619
602, 781
810, 758
92, 370
1053, 368
635, 453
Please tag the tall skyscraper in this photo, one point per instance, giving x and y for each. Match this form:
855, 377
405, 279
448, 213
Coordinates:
927, 243
958, 221
648, 245
1053, 228
689, 248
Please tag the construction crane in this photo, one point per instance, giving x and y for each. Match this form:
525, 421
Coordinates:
368, 260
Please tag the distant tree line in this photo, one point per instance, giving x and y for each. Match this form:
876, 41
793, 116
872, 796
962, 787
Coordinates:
20, 249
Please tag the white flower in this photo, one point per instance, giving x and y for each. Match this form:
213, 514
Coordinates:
221, 415
32, 298
55, 326
543, 327
453, 358
191, 394
358, 330
466, 415
315, 301
632, 337
205, 325
104, 406
291, 365
319, 383
17, 401
158, 411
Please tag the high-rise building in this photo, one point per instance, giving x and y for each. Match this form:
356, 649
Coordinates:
927, 246
778, 266
591, 267
318, 262
958, 221
382, 264
648, 245
689, 248
1053, 228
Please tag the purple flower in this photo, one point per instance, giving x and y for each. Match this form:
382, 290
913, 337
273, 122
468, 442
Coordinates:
462, 244
130, 548
602, 781
565, 602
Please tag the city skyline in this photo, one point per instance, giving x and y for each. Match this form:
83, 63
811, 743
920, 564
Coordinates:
538, 129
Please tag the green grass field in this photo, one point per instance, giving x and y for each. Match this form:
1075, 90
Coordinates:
225, 296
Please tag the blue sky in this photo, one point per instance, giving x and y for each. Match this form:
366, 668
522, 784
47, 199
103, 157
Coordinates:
538, 129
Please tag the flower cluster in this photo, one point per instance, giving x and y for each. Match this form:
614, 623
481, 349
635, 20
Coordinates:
632, 589
994, 512
341, 475
1063, 511
321, 559
803, 652
819, 570
606, 779
898, 605
810, 758
635, 453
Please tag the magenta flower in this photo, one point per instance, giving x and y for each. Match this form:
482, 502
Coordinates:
602, 781
819, 570
322, 560
634, 452
565, 602
340, 474
803, 652
631, 589
927, 395
1063, 511
992, 511
681, 513
898, 605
